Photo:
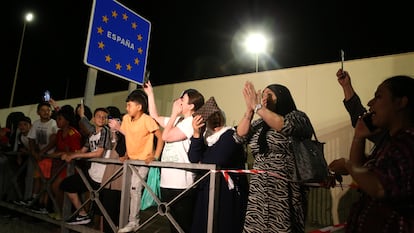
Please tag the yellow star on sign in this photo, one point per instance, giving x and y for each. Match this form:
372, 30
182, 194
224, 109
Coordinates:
108, 58
101, 45
129, 67
125, 16
105, 19
100, 30
139, 37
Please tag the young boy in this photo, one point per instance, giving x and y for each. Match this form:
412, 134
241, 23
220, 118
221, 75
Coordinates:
139, 130
23, 148
42, 141
23, 153
98, 145
24, 126
20, 164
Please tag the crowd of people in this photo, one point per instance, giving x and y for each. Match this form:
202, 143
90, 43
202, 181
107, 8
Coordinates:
196, 132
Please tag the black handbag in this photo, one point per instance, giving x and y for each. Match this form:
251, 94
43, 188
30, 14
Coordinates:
311, 166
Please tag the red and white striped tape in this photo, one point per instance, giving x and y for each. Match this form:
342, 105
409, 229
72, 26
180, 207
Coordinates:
255, 171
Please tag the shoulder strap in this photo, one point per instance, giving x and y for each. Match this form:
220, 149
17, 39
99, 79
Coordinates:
313, 130
314, 134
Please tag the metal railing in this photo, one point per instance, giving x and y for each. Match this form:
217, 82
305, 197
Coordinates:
126, 169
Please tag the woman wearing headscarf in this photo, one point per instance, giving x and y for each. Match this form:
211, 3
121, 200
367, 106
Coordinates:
275, 204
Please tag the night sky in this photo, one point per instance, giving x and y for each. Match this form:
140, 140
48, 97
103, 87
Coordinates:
192, 40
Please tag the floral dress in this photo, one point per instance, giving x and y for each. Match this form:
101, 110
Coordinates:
393, 164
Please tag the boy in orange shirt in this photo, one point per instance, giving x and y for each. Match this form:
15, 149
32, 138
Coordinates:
139, 129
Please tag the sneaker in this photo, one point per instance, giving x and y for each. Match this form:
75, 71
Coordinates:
19, 202
131, 226
38, 210
28, 202
79, 219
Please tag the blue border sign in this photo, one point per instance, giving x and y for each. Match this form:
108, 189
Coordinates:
118, 41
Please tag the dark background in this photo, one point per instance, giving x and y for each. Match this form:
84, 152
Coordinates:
193, 40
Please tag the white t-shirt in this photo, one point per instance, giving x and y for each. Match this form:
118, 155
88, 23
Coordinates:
41, 132
177, 152
24, 141
96, 140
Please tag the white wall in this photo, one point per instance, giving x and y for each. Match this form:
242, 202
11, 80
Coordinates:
314, 88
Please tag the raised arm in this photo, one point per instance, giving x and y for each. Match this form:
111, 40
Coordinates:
244, 124
345, 81
171, 132
84, 121
152, 108
352, 102
254, 99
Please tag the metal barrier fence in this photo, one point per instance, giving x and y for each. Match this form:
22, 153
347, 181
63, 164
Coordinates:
323, 205
126, 169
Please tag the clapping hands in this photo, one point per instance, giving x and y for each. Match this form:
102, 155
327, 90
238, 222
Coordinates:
251, 96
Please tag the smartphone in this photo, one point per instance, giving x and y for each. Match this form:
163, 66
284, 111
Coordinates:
342, 59
367, 118
81, 101
146, 77
46, 96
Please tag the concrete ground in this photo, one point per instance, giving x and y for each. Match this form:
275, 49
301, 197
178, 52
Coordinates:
16, 221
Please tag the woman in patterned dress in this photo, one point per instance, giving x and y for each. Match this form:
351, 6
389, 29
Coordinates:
274, 204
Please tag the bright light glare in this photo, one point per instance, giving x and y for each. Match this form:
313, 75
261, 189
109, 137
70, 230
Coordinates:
255, 43
29, 17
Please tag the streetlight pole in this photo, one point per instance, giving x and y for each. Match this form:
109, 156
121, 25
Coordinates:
28, 18
257, 62
256, 43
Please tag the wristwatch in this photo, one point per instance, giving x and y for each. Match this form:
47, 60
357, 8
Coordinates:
258, 106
